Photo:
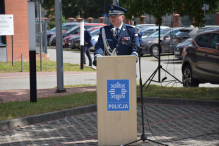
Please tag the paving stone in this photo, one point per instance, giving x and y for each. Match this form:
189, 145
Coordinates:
168, 124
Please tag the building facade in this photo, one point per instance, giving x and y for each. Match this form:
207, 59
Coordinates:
20, 39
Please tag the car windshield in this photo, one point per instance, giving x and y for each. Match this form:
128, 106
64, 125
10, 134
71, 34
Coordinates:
90, 26
71, 29
156, 34
95, 32
181, 33
89, 29
147, 33
68, 27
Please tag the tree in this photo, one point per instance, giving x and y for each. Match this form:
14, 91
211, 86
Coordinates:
159, 8
74, 8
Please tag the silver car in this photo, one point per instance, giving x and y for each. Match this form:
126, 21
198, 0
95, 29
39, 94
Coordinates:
146, 32
150, 44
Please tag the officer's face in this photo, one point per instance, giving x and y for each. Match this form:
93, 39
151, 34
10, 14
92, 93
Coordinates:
116, 20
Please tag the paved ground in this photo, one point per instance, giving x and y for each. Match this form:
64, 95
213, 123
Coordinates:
170, 124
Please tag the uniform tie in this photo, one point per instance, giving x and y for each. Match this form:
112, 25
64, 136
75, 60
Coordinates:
117, 32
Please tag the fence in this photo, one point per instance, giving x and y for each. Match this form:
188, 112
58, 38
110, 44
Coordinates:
210, 20
43, 35
167, 20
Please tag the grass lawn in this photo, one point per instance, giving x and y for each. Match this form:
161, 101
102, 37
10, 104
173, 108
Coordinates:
47, 65
13, 110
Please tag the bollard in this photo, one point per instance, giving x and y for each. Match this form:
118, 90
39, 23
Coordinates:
21, 63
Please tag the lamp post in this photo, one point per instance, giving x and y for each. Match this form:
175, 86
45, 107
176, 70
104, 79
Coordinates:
41, 65
32, 51
59, 47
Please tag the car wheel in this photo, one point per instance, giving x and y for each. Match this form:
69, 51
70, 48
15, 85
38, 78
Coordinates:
188, 80
155, 50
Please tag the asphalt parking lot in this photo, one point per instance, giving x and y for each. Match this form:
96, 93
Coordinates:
148, 66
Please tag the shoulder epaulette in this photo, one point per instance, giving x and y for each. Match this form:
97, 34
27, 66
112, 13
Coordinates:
130, 25
107, 25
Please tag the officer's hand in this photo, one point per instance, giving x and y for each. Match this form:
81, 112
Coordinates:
95, 62
136, 59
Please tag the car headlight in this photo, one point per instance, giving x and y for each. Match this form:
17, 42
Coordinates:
148, 42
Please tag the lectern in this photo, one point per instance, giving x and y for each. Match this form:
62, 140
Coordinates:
116, 100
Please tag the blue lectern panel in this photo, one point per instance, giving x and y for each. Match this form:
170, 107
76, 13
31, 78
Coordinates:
118, 95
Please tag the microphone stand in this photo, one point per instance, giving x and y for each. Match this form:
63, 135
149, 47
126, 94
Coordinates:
143, 136
158, 68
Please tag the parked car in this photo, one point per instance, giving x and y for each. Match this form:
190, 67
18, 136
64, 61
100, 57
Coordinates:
76, 42
150, 44
179, 48
73, 31
151, 29
65, 27
184, 34
201, 59
71, 37
94, 39
185, 42
143, 26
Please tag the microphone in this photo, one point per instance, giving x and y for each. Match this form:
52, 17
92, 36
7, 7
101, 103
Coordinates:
113, 31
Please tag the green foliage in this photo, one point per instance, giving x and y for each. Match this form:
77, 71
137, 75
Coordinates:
76, 8
159, 8
53, 23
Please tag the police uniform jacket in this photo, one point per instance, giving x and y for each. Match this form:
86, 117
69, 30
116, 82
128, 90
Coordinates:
87, 38
128, 32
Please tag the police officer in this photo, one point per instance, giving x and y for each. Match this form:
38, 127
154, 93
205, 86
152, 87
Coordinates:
116, 38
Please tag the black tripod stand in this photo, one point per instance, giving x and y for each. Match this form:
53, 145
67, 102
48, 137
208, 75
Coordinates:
158, 68
143, 136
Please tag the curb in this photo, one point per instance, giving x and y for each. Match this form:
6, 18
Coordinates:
29, 120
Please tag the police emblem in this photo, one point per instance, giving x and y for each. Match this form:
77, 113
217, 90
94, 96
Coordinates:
111, 7
123, 42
